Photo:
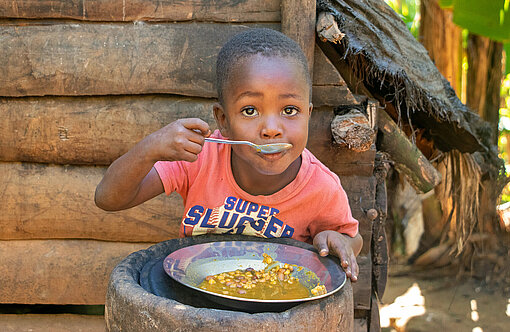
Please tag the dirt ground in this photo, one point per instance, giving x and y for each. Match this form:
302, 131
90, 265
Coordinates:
416, 302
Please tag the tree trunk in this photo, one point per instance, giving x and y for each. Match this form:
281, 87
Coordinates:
484, 79
443, 40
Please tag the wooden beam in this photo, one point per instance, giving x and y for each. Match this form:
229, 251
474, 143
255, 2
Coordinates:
58, 130
49, 201
42, 201
87, 130
298, 22
362, 289
407, 157
59, 271
144, 10
112, 59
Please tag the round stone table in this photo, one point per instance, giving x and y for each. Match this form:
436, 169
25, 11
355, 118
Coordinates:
141, 297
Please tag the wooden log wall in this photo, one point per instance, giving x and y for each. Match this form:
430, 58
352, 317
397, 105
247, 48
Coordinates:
81, 83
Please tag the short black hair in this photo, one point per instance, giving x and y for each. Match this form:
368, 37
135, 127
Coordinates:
266, 42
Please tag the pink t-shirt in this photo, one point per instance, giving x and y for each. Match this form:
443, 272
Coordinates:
213, 202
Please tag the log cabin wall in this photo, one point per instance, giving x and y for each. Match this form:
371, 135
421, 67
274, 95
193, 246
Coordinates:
81, 83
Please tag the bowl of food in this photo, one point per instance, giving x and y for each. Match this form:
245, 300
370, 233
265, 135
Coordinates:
254, 275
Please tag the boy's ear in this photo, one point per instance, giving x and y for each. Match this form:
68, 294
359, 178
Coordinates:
310, 108
221, 119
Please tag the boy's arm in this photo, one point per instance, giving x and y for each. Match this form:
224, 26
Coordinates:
343, 246
131, 179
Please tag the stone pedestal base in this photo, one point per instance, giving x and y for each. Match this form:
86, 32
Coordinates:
130, 307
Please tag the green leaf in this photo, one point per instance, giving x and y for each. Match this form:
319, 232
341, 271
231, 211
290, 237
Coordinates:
486, 18
446, 4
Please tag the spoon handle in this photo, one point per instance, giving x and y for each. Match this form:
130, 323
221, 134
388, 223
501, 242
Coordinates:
219, 140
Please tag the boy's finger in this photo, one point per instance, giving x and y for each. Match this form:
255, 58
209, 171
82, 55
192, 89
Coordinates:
321, 245
194, 148
355, 268
188, 156
197, 124
341, 253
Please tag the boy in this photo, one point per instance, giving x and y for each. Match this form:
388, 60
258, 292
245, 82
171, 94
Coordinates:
264, 97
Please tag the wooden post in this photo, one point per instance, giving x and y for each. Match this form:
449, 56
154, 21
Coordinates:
298, 22
407, 157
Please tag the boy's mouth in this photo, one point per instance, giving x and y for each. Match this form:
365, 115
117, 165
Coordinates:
271, 156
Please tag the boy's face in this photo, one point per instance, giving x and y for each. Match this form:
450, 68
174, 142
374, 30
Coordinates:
266, 100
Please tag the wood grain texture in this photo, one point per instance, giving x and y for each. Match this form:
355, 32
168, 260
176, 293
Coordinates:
87, 130
362, 289
52, 323
324, 72
57, 202
144, 10
112, 59
59, 271
361, 193
340, 160
97, 130
298, 22
105, 59
49, 201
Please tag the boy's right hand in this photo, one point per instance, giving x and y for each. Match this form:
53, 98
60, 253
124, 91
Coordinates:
180, 140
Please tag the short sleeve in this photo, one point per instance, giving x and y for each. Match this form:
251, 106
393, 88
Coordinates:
174, 176
335, 213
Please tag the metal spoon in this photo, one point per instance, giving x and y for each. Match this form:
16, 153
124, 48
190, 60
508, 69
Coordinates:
264, 148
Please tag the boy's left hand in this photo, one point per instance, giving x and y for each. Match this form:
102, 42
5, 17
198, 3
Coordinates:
342, 246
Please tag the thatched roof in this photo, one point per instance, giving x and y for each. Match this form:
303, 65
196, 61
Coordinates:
392, 64
396, 69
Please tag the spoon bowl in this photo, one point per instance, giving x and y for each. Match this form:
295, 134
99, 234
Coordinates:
262, 148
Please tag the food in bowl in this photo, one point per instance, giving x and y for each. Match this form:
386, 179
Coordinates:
275, 282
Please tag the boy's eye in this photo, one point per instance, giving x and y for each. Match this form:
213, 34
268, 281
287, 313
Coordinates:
290, 110
249, 111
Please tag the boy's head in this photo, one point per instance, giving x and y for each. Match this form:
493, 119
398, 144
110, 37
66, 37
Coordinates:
264, 42
264, 92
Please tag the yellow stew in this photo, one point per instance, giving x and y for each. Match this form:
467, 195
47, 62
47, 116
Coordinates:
275, 284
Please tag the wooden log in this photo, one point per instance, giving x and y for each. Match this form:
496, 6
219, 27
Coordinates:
105, 59
59, 271
324, 72
51, 322
144, 10
353, 131
90, 131
379, 248
340, 160
361, 193
330, 96
329, 88
58, 130
327, 28
57, 202
407, 157
298, 22
362, 289
375, 320
360, 324
48, 201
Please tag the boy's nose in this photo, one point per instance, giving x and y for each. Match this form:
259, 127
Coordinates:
271, 128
